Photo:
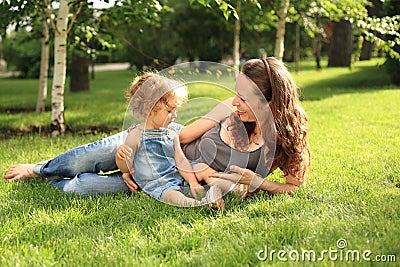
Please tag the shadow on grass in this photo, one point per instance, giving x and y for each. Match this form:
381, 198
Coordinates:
11, 132
361, 79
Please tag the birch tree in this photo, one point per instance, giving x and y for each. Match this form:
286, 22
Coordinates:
57, 125
44, 68
236, 38
281, 28
61, 29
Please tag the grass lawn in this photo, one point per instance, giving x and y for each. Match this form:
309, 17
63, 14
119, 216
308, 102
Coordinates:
350, 206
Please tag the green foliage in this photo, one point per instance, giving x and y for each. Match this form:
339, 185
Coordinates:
224, 6
22, 53
392, 63
371, 28
87, 36
179, 36
18, 14
156, 33
352, 193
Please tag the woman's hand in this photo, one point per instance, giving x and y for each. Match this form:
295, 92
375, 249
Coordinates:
129, 182
255, 181
241, 176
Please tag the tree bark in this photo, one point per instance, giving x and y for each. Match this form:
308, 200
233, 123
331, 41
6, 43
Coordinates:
366, 50
341, 45
318, 47
79, 73
44, 68
236, 39
60, 59
280, 33
297, 48
2, 67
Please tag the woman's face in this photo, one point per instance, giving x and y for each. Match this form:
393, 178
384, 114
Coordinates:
244, 89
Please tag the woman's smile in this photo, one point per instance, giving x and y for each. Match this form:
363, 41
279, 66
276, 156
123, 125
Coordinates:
240, 112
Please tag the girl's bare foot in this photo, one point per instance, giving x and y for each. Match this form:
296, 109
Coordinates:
129, 182
214, 198
20, 172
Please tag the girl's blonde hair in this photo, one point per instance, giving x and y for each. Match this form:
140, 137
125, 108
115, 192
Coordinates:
149, 91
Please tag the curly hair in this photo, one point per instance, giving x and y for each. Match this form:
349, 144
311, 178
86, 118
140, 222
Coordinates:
292, 151
148, 91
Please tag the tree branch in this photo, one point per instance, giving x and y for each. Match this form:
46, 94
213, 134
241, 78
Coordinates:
48, 15
81, 4
271, 5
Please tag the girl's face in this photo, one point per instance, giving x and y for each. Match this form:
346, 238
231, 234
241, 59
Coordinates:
163, 115
243, 87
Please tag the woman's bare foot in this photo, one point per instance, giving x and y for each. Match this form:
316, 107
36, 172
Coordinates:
20, 172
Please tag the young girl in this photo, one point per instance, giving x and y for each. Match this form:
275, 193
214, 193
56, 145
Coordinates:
152, 152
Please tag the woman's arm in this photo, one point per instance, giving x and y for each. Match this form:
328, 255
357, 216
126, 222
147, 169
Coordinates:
248, 177
279, 188
205, 123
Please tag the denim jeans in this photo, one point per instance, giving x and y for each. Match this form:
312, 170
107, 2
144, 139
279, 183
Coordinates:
88, 169
155, 167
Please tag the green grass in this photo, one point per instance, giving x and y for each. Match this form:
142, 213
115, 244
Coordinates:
353, 192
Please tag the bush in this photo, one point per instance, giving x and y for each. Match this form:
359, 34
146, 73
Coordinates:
392, 7
22, 53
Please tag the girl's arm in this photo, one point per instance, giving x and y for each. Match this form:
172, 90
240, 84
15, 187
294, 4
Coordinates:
126, 152
205, 123
186, 170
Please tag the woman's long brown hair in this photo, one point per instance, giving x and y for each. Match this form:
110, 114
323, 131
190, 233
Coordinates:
292, 152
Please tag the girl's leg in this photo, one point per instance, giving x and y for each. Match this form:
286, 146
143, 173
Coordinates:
92, 184
179, 199
213, 198
203, 171
91, 158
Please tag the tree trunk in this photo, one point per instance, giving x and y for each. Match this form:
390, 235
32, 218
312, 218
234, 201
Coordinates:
60, 58
236, 39
376, 10
92, 67
280, 33
297, 48
44, 68
79, 73
366, 50
318, 47
2, 68
341, 45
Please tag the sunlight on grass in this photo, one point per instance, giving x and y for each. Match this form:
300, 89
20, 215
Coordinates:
353, 192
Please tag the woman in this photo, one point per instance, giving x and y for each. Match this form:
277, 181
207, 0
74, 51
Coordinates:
278, 127
274, 90
292, 154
